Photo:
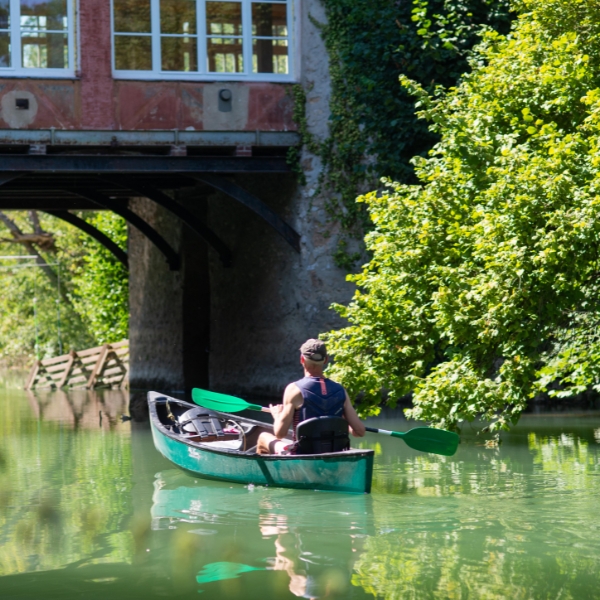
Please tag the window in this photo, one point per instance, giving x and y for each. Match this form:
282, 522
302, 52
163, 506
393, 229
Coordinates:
233, 39
36, 38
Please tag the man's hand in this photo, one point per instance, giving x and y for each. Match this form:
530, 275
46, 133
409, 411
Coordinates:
276, 409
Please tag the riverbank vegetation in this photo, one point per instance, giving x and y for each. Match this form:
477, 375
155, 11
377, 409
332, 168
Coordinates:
483, 287
71, 293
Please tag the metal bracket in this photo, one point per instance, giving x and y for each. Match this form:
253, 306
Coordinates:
169, 253
65, 215
182, 213
253, 203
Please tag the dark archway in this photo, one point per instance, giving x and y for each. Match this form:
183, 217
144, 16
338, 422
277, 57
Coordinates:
238, 193
171, 256
179, 211
158, 194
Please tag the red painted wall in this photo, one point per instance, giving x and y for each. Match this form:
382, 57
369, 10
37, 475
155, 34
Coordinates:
96, 101
96, 108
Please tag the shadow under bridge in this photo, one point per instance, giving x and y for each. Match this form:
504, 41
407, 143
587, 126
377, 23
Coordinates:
189, 216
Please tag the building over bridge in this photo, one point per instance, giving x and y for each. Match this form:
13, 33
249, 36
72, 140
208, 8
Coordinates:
177, 115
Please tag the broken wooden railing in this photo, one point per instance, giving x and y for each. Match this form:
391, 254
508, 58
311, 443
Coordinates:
103, 366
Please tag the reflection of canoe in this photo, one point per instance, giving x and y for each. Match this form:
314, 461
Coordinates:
177, 498
231, 460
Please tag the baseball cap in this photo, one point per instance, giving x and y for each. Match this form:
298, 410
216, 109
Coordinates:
314, 350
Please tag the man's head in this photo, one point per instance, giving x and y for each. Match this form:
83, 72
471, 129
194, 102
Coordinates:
313, 354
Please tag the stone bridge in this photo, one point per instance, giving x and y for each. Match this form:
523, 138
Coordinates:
230, 259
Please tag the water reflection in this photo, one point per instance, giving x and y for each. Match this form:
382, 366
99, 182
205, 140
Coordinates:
312, 539
88, 508
63, 487
518, 521
80, 408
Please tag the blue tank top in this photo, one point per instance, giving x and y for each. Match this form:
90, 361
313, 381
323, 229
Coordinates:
322, 398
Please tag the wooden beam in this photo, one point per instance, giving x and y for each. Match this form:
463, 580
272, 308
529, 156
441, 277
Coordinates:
91, 382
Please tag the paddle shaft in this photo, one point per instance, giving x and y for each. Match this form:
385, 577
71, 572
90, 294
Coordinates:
385, 432
257, 407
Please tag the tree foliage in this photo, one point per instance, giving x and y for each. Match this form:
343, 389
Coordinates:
370, 43
72, 294
100, 282
483, 287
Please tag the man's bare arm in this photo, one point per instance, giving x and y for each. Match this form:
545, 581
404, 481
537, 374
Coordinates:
283, 414
357, 427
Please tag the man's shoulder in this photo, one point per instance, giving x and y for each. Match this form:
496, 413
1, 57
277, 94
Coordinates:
291, 389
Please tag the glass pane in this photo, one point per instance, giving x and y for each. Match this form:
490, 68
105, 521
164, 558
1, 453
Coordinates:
178, 16
133, 52
48, 15
132, 16
225, 55
4, 14
269, 19
270, 56
223, 18
179, 53
41, 50
4, 50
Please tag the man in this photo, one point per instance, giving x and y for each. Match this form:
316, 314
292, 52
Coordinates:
312, 396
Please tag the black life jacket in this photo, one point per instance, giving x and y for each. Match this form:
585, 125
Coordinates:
322, 398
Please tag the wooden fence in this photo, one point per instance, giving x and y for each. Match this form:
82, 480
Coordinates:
104, 366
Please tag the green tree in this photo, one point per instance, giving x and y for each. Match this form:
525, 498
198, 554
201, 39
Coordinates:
370, 43
483, 286
100, 281
72, 293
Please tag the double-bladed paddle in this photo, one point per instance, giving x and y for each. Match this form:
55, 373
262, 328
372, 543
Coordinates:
424, 439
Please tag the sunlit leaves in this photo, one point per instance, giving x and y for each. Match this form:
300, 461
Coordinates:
101, 293
482, 290
92, 307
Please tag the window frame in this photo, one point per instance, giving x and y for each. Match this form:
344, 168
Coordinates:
157, 74
17, 70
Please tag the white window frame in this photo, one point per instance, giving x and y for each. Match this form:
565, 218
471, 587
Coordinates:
16, 69
202, 74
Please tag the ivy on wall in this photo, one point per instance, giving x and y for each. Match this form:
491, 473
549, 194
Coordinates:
373, 128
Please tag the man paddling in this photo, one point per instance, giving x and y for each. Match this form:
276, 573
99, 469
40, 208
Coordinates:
312, 396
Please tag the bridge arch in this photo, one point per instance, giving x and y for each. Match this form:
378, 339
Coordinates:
171, 312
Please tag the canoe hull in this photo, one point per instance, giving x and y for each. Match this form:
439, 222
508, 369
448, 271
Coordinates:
349, 471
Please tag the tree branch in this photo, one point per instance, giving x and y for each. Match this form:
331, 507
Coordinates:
28, 241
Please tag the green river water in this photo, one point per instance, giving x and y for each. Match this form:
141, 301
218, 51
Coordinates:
89, 509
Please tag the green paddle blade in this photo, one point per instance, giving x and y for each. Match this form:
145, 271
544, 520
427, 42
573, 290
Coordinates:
221, 402
223, 570
426, 439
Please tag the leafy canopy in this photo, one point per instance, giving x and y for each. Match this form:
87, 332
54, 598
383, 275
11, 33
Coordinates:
373, 130
482, 290
85, 301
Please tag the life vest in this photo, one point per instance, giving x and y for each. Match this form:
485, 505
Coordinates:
322, 398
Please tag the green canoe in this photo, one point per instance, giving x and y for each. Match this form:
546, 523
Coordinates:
231, 456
